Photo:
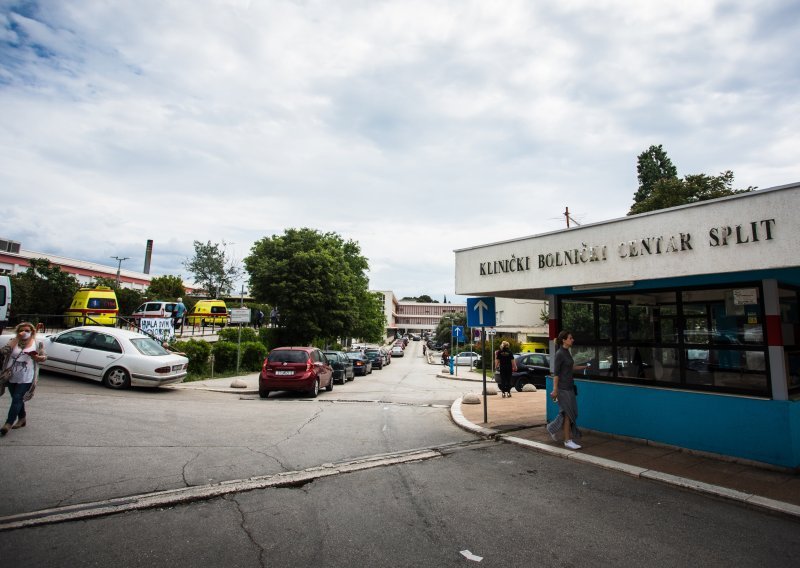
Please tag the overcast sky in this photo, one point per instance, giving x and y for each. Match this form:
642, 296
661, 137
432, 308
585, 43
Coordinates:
411, 127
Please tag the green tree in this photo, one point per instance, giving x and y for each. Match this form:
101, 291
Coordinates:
166, 287
213, 270
316, 280
653, 165
370, 324
443, 331
43, 289
128, 300
660, 187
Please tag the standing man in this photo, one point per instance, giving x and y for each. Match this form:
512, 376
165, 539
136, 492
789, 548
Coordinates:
177, 314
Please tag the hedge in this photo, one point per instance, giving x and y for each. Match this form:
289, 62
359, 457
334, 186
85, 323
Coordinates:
232, 334
197, 352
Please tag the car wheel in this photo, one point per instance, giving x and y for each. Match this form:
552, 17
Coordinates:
117, 378
315, 389
329, 388
520, 383
263, 393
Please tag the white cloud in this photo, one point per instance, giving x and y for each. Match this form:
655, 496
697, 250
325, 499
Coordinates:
411, 127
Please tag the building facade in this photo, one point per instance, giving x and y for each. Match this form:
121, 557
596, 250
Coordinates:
687, 319
14, 259
413, 317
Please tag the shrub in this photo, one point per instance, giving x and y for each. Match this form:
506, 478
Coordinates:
197, 352
224, 356
253, 355
232, 334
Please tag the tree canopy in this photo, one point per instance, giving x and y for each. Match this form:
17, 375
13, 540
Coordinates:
42, 289
166, 287
318, 283
660, 187
213, 270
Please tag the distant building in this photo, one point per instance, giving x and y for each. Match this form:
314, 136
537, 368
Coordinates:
14, 259
414, 317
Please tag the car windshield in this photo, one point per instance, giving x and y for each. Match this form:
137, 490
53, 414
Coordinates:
148, 346
354, 355
288, 356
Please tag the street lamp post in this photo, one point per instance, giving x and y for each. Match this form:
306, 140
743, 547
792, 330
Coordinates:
119, 266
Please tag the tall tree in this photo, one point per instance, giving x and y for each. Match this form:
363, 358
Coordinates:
166, 287
43, 289
213, 270
660, 187
316, 280
653, 165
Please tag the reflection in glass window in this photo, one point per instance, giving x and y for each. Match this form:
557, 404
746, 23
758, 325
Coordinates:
709, 339
578, 317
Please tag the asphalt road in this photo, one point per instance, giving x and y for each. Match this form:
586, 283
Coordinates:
85, 445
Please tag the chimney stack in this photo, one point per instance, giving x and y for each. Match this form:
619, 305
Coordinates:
148, 254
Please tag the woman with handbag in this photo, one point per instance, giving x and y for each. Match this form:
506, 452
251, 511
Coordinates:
21, 369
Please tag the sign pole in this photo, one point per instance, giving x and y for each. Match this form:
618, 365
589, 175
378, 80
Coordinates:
483, 359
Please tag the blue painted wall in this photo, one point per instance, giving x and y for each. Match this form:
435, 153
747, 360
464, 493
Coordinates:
756, 429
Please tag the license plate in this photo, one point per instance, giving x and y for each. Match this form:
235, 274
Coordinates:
177, 367
284, 372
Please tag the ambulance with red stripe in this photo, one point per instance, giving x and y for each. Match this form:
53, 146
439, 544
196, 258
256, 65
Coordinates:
92, 306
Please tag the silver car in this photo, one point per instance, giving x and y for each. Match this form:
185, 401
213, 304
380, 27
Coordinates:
119, 358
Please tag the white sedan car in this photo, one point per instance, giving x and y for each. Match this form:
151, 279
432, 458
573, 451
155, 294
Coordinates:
118, 357
467, 358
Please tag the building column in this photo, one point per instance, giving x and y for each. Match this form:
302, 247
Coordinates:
775, 350
552, 328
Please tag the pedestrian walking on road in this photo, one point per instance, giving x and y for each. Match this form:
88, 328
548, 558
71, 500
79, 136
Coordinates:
21, 356
504, 361
446, 356
565, 393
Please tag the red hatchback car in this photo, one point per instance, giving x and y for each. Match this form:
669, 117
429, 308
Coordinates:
295, 368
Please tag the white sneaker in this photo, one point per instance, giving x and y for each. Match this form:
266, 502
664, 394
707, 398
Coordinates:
552, 435
571, 445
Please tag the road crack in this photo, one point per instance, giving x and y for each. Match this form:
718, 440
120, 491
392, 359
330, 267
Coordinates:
262, 558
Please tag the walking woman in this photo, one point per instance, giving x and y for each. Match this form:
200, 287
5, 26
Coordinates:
22, 355
564, 392
505, 363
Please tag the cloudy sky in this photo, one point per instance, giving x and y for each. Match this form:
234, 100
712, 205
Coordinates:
411, 127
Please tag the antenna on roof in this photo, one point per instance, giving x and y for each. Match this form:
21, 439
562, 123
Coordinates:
570, 218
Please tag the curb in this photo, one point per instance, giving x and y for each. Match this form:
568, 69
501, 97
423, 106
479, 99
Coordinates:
742, 497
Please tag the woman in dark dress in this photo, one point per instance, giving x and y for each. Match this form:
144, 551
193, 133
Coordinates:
505, 363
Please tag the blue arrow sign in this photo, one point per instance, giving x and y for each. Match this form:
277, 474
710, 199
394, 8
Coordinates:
481, 312
458, 331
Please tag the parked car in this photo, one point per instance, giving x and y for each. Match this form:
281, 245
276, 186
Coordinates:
342, 366
398, 351
118, 358
387, 355
376, 356
532, 368
361, 364
153, 310
295, 368
467, 358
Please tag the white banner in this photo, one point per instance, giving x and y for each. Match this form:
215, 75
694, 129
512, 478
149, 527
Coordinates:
158, 327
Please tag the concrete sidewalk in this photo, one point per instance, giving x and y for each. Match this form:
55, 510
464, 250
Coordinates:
521, 420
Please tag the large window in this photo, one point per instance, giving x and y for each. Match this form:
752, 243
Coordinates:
704, 339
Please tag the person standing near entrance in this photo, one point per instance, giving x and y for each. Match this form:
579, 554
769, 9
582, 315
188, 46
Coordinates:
505, 363
565, 393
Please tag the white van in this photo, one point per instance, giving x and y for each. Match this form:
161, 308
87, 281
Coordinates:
5, 300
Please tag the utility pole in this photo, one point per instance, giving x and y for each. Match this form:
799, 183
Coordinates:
119, 266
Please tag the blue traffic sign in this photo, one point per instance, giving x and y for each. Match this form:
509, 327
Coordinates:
458, 332
481, 312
